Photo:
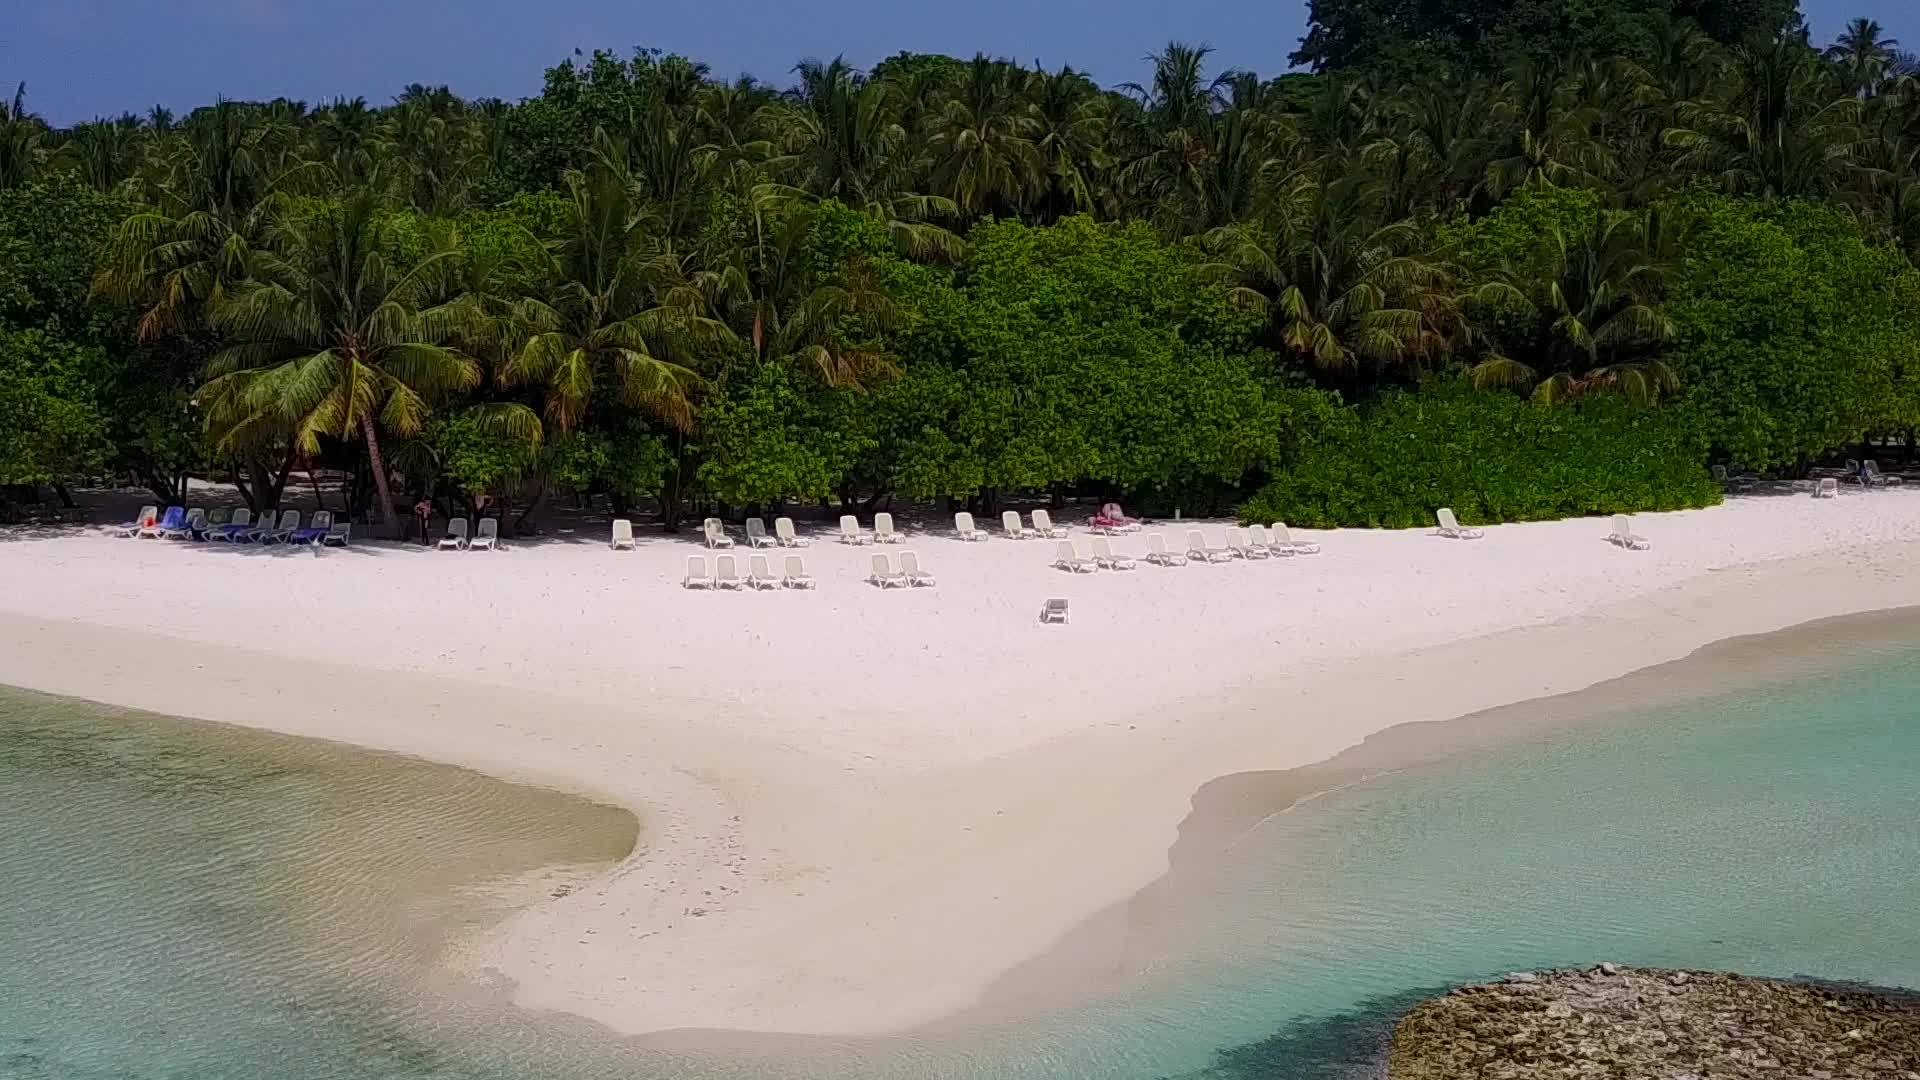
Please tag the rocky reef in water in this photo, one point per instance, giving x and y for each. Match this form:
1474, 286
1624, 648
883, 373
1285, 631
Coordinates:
1618, 1022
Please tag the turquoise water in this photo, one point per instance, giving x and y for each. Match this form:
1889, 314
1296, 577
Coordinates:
174, 898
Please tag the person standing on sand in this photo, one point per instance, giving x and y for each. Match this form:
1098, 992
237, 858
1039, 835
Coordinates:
424, 511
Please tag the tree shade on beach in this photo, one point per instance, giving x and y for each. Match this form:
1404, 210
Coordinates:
1566, 264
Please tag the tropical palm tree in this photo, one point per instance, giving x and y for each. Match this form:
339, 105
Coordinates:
332, 335
984, 157
1776, 133
1596, 302
1864, 58
605, 319
21, 134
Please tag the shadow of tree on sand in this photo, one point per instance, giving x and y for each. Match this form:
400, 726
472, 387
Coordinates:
1349, 1045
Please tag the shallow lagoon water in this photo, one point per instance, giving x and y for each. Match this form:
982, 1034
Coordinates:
192, 900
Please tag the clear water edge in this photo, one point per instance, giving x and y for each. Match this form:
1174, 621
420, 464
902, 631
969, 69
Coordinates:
210, 903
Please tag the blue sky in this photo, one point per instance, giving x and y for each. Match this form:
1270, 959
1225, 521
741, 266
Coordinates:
82, 58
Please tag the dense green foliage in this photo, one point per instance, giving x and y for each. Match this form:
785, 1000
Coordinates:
1490, 457
1525, 258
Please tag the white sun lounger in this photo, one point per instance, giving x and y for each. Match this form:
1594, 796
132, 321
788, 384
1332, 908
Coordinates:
697, 575
1158, 554
757, 533
1198, 550
851, 532
1043, 524
883, 528
1010, 521
1052, 611
270, 533
726, 574
910, 569
339, 534
456, 537
883, 574
1451, 528
1104, 557
1284, 539
963, 527
1259, 537
151, 529
1242, 546
1871, 476
486, 535
1623, 535
796, 576
622, 535
146, 514
1067, 557
1827, 488
759, 575
784, 535
190, 528
714, 531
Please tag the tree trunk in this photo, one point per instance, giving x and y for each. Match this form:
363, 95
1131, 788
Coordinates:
383, 501
318, 503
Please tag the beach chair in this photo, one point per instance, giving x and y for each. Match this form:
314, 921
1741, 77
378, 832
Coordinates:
316, 530
340, 535
486, 536
1010, 521
1259, 537
1623, 535
883, 528
963, 527
1198, 551
270, 532
910, 569
1053, 611
1067, 557
622, 535
1739, 481
1104, 557
146, 516
1284, 539
456, 537
234, 530
1871, 476
757, 534
1113, 521
882, 573
697, 575
726, 574
759, 575
1451, 528
1158, 555
851, 532
171, 521
191, 527
1827, 488
796, 576
715, 532
1241, 544
1043, 524
784, 535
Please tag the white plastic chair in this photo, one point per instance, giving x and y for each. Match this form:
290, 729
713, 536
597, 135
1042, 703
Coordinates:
146, 514
1010, 521
456, 537
1198, 550
1623, 535
1242, 546
1827, 488
910, 569
1067, 557
783, 533
796, 576
963, 527
1282, 539
883, 574
716, 533
697, 575
1158, 554
757, 533
726, 574
883, 528
1103, 556
851, 532
1451, 528
1053, 611
1043, 524
487, 536
759, 575
622, 535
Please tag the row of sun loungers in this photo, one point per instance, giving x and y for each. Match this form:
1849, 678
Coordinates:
485, 538
725, 574
181, 523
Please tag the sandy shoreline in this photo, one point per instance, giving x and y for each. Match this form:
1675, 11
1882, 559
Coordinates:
868, 811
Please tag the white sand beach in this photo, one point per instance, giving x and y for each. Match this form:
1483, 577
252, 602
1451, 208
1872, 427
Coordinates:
862, 809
